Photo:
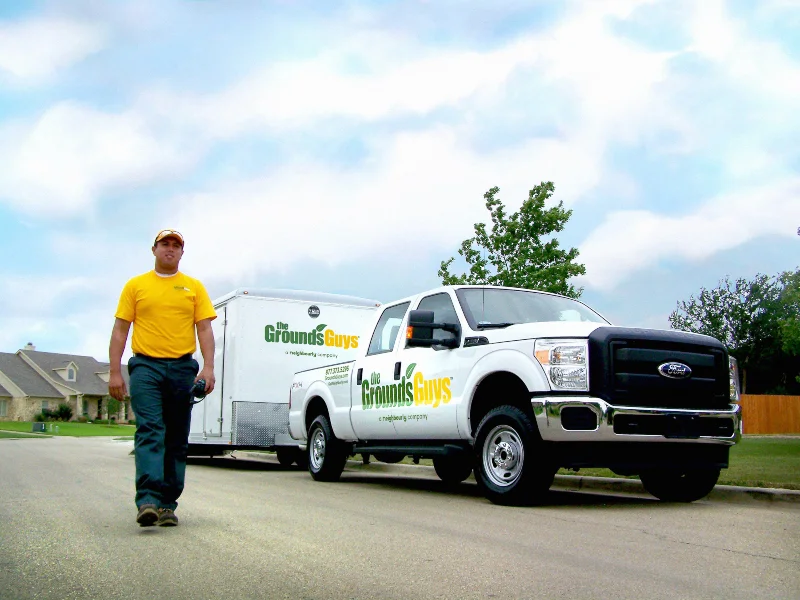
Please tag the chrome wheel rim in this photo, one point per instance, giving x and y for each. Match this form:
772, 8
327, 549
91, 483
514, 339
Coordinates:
318, 449
503, 456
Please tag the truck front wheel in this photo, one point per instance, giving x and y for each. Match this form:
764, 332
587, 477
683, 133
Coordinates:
679, 486
326, 454
451, 469
508, 468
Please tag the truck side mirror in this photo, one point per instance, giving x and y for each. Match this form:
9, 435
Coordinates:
420, 330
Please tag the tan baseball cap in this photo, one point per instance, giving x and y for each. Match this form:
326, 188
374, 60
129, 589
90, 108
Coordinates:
165, 233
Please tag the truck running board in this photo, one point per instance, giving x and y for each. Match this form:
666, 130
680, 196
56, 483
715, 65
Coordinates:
422, 450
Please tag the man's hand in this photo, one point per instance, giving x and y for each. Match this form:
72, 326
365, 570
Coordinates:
116, 386
207, 373
119, 337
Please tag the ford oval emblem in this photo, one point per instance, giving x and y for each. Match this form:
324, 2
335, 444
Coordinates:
675, 370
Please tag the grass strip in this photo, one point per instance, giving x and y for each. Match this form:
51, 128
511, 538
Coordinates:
71, 429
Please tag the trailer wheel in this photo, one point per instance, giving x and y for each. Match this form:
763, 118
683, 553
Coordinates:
510, 470
679, 486
302, 460
286, 456
452, 470
326, 454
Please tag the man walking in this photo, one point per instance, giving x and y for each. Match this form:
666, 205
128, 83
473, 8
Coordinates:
166, 307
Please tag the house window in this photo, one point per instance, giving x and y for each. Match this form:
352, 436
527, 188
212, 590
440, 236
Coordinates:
45, 405
70, 374
100, 408
3, 408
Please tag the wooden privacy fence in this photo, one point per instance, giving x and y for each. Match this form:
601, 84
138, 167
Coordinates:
770, 414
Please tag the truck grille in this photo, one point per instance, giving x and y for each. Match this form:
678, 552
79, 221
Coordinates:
624, 369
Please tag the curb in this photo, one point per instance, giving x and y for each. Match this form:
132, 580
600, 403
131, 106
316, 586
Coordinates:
582, 483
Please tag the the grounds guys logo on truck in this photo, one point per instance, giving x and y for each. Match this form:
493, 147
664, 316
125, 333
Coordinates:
320, 335
409, 391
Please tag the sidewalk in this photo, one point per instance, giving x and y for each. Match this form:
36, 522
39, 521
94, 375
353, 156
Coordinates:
615, 485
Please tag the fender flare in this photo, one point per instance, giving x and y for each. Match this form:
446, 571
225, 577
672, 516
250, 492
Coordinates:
318, 389
506, 360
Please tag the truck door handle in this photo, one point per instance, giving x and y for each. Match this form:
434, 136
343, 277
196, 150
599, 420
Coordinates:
359, 376
397, 371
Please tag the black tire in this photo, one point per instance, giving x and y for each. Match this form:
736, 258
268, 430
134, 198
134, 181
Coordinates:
302, 460
326, 454
509, 469
669, 485
286, 456
452, 469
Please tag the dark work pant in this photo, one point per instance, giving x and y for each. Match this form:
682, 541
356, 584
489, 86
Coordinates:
161, 400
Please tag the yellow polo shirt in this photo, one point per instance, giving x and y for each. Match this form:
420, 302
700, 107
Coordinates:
164, 311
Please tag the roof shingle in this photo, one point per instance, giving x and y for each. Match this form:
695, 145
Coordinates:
26, 378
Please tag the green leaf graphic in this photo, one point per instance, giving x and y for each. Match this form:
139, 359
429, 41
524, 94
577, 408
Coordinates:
321, 327
410, 370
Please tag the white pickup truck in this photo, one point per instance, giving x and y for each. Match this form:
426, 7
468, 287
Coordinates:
515, 384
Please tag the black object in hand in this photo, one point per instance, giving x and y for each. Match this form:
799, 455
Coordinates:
199, 389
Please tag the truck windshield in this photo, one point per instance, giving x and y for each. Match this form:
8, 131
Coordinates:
493, 308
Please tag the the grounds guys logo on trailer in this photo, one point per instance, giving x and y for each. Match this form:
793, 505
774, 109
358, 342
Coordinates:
281, 333
409, 391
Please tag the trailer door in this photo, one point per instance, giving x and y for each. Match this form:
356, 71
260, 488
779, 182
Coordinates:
213, 403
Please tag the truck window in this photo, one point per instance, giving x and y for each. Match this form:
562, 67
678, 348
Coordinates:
388, 327
443, 312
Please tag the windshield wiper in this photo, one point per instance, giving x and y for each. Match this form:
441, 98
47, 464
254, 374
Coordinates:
494, 325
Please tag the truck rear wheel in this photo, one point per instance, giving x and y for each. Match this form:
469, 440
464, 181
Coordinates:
508, 469
451, 469
680, 486
326, 454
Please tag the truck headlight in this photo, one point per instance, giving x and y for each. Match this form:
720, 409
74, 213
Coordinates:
733, 368
565, 362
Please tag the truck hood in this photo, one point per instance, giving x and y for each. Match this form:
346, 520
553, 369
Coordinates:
525, 331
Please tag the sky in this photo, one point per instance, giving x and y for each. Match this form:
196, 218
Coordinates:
345, 146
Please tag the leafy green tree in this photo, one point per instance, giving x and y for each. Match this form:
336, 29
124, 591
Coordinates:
742, 314
112, 406
514, 253
789, 317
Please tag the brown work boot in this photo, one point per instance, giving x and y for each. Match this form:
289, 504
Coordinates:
166, 518
147, 515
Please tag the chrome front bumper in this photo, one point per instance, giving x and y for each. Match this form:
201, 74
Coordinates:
548, 412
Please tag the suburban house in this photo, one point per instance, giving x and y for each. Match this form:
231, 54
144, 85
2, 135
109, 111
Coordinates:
31, 381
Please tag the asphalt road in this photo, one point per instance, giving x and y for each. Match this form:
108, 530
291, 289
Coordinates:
250, 529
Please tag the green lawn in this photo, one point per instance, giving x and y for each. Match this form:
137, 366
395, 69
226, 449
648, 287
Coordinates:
71, 429
754, 462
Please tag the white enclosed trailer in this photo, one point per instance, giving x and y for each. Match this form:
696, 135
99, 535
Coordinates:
262, 338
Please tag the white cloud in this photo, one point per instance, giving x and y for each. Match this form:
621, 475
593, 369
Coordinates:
36, 296
64, 160
35, 49
631, 241
420, 190
72, 155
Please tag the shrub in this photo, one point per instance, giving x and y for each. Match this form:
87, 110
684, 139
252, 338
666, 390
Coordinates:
63, 412
45, 415
131, 421
83, 419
